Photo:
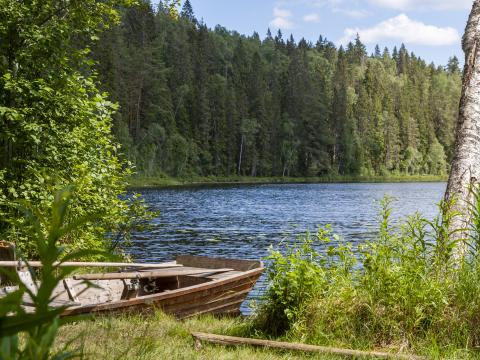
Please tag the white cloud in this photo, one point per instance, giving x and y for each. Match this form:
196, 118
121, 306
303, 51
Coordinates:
403, 29
281, 19
355, 14
352, 8
332, 4
401, 5
281, 23
312, 3
282, 13
423, 4
312, 18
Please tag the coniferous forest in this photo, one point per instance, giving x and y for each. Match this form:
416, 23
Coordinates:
200, 101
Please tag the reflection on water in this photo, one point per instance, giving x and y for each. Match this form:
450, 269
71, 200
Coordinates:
243, 221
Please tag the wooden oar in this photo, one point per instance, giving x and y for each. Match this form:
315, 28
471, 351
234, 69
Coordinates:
149, 274
91, 264
232, 340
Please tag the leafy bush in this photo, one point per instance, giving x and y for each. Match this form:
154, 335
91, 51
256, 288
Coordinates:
298, 275
406, 289
55, 124
294, 279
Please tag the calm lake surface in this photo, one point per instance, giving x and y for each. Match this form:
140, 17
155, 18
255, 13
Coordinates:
243, 221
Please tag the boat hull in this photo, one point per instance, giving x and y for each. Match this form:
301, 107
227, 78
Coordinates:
222, 296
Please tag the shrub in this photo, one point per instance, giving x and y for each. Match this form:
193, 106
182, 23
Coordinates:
298, 275
404, 290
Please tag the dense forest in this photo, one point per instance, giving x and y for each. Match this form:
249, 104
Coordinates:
201, 101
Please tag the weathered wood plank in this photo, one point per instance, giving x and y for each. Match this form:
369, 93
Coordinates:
91, 264
232, 310
216, 263
219, 309
54, 303
193, 300
104, 291
26, 279
238, 341
184, 309
148, 274
224, 275
72, 294
201, 295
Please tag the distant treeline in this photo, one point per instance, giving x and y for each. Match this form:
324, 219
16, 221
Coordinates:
196, 101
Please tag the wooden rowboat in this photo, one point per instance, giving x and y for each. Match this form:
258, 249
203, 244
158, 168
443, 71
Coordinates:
190, 286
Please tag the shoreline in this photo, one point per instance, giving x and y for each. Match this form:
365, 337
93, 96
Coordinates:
140, 182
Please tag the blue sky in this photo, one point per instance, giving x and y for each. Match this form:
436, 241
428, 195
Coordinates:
430, 28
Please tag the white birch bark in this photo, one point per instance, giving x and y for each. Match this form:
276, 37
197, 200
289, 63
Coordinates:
465, 171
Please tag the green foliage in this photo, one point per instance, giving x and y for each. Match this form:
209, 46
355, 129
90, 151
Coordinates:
405, 290
39, 329
436, 159
171, 6
299, 274
293, 279
55, 125
230, 104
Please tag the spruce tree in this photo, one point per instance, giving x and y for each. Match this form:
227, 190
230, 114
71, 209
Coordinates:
187, 12
269, 35
453, 66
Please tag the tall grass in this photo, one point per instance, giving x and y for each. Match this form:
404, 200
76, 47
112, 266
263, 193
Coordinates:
161, 337
405, 290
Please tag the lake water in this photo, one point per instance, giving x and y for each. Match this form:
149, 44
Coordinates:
243, 221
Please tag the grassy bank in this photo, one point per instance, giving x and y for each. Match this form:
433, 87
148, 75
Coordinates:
406, 290
165, 181
159, 336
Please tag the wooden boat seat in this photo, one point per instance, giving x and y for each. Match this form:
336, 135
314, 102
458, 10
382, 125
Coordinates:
164, 273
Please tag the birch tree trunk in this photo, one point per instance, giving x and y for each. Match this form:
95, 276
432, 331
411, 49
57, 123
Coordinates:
465, 171
240, 157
